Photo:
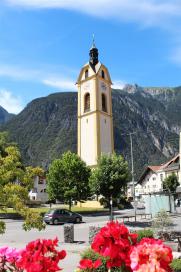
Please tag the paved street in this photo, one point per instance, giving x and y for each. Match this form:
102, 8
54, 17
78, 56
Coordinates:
16, 237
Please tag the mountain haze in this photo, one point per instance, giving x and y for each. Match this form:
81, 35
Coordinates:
47, 127
4, 115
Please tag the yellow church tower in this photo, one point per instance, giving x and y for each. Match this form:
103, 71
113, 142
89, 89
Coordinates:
95, 122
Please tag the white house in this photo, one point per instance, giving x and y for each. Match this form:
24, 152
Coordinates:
152, 178
38, 193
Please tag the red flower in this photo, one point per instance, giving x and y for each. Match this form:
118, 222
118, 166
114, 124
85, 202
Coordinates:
89, 264
41, 256
114, 242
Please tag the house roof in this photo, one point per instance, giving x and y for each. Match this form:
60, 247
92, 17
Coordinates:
173, 160
155, 168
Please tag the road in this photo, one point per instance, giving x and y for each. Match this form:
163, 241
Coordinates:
16, 237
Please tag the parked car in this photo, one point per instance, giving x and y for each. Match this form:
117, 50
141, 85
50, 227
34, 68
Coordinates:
56, 216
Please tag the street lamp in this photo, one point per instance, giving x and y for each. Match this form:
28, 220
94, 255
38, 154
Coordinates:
111, 209
111, 205
132, 173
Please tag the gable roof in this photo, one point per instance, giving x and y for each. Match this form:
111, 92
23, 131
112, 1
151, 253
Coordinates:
173, 160
97, 67
156, 168
149, 168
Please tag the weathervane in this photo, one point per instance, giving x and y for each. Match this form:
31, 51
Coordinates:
93, 41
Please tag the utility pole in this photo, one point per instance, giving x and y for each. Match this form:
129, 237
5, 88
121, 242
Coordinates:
132, 172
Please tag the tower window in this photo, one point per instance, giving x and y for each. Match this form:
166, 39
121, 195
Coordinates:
86, 73
102, 74
104, 104
87, 102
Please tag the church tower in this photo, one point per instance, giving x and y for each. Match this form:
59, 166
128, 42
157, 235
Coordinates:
95, 124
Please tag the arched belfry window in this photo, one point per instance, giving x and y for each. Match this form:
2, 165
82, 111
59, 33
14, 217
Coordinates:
102, 74
87, 102
86, 73
104, 103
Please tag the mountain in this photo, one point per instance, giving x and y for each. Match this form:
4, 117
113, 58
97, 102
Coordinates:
48, 126
4, 115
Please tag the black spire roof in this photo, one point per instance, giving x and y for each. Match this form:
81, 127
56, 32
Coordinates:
93, 54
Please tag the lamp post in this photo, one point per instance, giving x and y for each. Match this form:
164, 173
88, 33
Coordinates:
132, 173
111, 203
111, 209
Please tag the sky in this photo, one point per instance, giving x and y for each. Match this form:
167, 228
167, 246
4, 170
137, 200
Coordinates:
44, 44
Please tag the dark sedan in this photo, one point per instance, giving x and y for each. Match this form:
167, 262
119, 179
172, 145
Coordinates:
56, 216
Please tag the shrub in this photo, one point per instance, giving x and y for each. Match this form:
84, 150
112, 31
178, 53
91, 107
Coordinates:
146, 233
93, 256
161, 221
176, 265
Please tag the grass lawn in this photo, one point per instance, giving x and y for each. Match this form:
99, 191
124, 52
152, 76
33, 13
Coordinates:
77, 209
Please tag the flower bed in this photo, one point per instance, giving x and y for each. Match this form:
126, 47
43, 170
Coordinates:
113, 249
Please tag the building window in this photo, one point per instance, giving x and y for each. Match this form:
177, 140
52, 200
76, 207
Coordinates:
87, 102
161, 177
104, 106
40, 180
154, 178
102, 74
86, 73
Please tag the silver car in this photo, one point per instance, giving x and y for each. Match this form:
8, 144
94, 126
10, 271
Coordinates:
56, 216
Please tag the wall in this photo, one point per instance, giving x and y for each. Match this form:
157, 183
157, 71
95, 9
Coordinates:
152, 182
88, 139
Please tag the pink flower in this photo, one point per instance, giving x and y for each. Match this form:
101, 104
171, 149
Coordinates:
151, 255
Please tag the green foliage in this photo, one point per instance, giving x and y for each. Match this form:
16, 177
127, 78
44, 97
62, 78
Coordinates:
15, 181
110, 176
2, 227
146, 233
161, 221
170, 183
68, 179
176, 265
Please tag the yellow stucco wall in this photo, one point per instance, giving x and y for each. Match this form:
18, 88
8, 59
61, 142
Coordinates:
95, 128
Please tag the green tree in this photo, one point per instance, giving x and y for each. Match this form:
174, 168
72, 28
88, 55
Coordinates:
68, 179
170, 183
15, 182
110, 177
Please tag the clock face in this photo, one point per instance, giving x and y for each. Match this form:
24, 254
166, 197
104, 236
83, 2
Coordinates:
103, 86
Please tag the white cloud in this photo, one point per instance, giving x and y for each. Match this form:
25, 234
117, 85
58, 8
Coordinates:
11, 103
118, 84
15, 72
147, 12
38, 75
62, 84
164, 14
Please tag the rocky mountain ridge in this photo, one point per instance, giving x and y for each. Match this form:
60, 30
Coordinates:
4, 115
48, 126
